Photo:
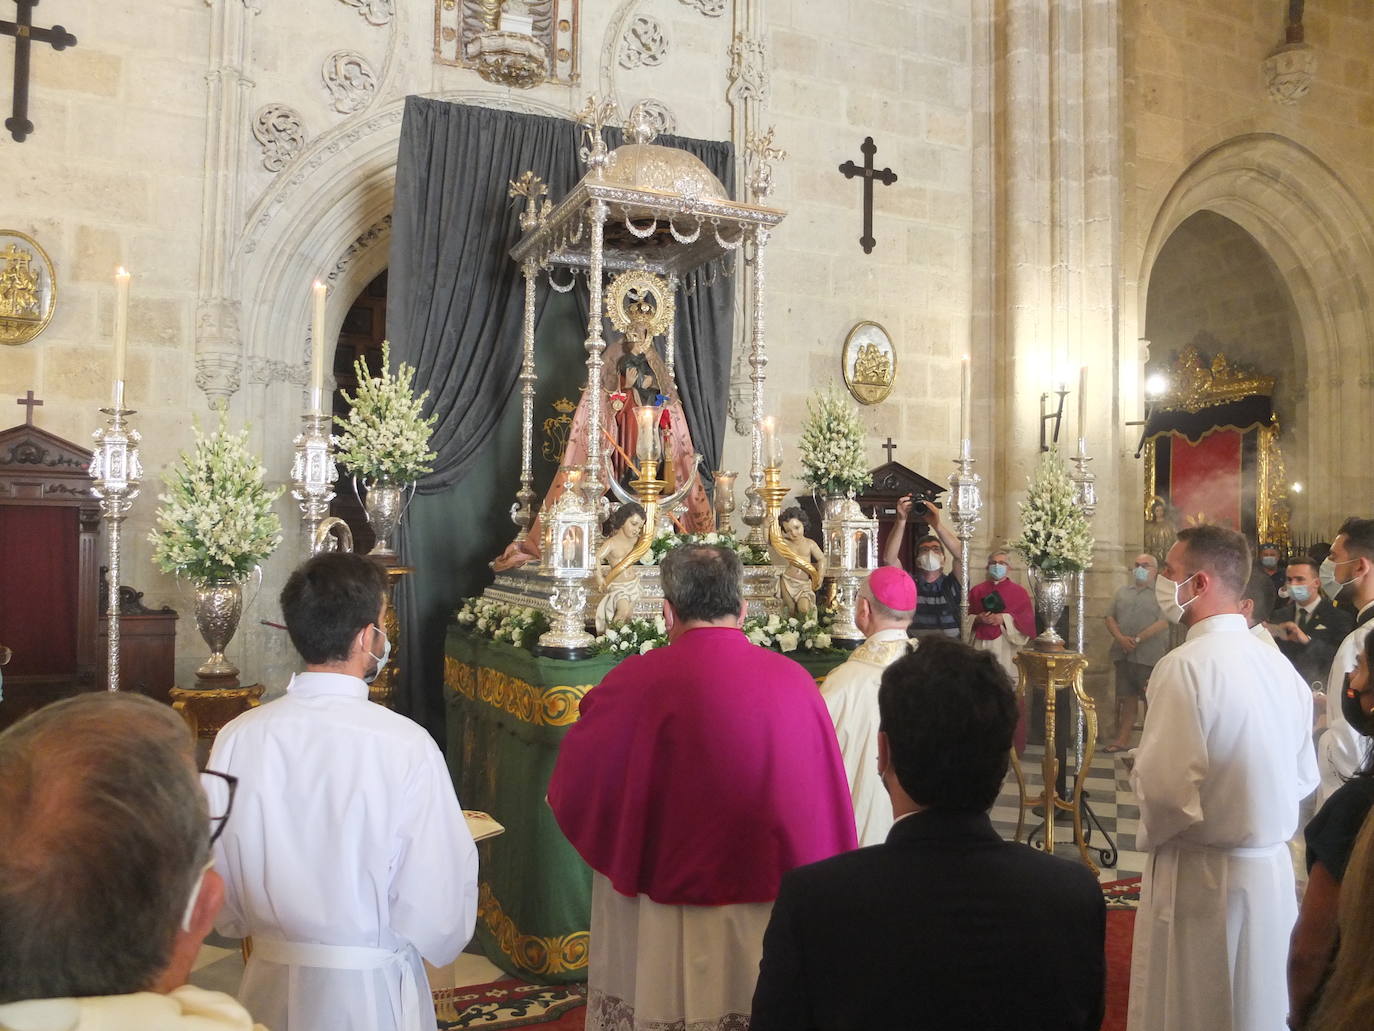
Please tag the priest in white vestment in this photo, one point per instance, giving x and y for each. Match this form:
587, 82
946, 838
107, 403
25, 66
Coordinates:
883, 611
348, 858
1223, 763
1349, 572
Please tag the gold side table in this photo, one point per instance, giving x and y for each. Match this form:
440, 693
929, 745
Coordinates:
383, 689
213, 702
1052, 672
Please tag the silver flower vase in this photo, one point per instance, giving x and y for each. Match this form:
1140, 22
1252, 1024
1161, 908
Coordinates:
1051, 595
385, 504
831, 505
219, 604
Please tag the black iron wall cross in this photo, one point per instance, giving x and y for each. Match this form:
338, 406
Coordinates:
24, 33
887, 177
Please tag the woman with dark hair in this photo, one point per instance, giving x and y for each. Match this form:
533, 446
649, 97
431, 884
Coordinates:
1330, 840
1347, 1000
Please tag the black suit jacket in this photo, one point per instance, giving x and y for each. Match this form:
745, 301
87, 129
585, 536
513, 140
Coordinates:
943, 926
1327, 628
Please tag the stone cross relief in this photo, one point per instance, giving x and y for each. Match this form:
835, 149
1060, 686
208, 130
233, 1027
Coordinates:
887, 177
24, 33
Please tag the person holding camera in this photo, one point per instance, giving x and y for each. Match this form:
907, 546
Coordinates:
937, 592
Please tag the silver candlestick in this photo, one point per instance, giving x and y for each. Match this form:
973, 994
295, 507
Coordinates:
313, 474
1085, 497
117, 471
965, 509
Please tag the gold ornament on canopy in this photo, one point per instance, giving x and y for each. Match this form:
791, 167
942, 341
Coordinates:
628, 298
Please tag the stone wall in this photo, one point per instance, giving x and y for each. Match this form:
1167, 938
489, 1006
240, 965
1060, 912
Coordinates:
228, 154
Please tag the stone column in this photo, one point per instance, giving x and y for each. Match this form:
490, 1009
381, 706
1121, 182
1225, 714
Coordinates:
1047, 203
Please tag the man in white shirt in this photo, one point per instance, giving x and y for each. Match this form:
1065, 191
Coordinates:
349, 858
105, 889
1222, 765
1348, 572
883, 611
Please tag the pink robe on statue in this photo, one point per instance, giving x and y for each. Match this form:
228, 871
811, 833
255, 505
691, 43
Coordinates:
678, 445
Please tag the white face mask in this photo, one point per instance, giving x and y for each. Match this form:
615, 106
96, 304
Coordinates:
382, 659
1166, 593
930, 561
1330, 584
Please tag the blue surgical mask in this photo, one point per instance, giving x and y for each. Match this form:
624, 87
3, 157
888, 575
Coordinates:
1300, 593
998, 570
1269, 561
382, 659
1141, 574
1330, 584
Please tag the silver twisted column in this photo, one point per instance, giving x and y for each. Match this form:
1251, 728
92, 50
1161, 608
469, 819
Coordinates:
313, 475
117, 472
1085, 497
524, 512
592, 486
965, 509
758, 362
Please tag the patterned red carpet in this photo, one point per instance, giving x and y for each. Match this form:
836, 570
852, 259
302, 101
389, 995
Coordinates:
1122, 899
511, 1004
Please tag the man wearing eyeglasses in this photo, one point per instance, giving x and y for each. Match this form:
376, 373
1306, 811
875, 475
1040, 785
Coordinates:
105, 886
348, 858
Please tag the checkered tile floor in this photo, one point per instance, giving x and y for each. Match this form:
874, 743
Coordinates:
1110, 798
1115, 806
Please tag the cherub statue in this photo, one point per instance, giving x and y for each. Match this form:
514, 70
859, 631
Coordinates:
622, 533
794, 586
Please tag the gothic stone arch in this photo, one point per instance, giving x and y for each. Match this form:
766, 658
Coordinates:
1321, 239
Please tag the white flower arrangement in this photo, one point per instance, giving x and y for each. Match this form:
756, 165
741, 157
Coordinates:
790, 633
216, 521
666, 542
517, 625
1055, 537
633, 637
832, 446
384, 436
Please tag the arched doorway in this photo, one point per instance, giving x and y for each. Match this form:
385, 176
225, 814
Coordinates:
360, 338
1316, 239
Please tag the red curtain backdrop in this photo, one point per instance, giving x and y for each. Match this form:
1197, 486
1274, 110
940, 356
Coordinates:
1205, 481
38, 583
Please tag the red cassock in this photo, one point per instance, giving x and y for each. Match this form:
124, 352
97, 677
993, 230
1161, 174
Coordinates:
1017, 601
701, 772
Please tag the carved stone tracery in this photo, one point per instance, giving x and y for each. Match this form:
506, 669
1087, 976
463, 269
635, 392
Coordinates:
377, 12
644, 43
350, 81
282, 134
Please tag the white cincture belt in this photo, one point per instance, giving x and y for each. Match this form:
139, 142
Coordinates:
1164, 869
349, 957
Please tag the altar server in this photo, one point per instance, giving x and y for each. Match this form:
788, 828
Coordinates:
1225, 758
348, 858
696, 776
883, 611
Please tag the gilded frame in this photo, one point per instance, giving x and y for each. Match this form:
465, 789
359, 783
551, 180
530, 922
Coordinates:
30, 283
869, 362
